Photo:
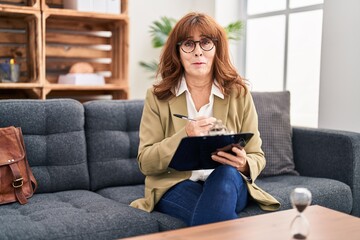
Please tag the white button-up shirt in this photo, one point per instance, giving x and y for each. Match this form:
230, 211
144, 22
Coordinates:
206, 110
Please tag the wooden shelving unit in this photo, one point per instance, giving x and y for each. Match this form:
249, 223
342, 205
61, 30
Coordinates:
56, 38
20, 39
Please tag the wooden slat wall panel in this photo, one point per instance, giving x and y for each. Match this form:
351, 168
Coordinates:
12, 52
18, 37
60, 37
6, 37
69, 41
12, 23
12, 31
13, 42
13, 2
17, 2
54, 3
78, 26
75, 52
64, 66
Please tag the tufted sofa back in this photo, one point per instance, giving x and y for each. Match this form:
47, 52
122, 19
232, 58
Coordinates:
54, 139
112, 136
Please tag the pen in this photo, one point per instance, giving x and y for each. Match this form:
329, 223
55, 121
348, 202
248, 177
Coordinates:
183, 117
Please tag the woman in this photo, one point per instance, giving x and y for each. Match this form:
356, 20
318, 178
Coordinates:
198, 80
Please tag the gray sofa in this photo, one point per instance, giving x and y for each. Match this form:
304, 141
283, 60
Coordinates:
84, 159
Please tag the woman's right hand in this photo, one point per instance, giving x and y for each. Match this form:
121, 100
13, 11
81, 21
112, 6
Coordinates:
200, 127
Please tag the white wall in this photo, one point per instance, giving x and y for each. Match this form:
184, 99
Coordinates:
142, 13
226, 12
339, 106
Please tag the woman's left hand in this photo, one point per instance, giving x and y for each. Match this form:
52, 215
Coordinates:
238, 160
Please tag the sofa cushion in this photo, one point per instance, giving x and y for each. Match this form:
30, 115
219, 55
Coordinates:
112, 134
77, 214
54, 140
325, 192
273, 110
127, 194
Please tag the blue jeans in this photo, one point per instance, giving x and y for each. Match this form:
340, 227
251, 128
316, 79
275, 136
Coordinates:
221, 197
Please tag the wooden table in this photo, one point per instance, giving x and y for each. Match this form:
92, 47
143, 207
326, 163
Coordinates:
325, 224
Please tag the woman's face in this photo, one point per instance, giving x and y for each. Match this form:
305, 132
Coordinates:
199, 62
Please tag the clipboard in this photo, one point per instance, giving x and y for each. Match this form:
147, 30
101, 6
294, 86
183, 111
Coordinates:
194, 153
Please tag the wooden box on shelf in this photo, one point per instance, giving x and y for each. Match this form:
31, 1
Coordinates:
20, 44
99, 39
47, 40
22, 4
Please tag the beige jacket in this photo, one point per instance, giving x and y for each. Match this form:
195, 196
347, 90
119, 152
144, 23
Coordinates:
161, 133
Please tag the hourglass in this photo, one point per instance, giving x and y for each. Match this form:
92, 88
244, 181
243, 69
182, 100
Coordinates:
300, 198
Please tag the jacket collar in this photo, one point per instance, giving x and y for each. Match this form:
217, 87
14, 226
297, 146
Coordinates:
178, 105
215, 90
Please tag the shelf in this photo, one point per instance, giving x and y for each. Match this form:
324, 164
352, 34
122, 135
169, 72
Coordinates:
85, 93
65, 87
103, 43
20, 39
19, 85
46, 40
88, 16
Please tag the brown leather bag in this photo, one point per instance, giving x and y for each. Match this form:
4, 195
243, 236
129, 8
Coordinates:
17, 183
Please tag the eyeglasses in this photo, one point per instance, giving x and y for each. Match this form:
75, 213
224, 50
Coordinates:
189, 45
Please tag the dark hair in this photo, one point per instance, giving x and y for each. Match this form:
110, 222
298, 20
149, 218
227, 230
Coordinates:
170, 68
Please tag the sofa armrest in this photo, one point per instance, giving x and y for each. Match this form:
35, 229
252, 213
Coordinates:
329, 154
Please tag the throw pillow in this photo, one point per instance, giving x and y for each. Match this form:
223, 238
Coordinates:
273, 110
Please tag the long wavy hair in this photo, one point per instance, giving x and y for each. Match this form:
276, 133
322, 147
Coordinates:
170, 69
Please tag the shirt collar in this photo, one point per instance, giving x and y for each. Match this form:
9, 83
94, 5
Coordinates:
215, 90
